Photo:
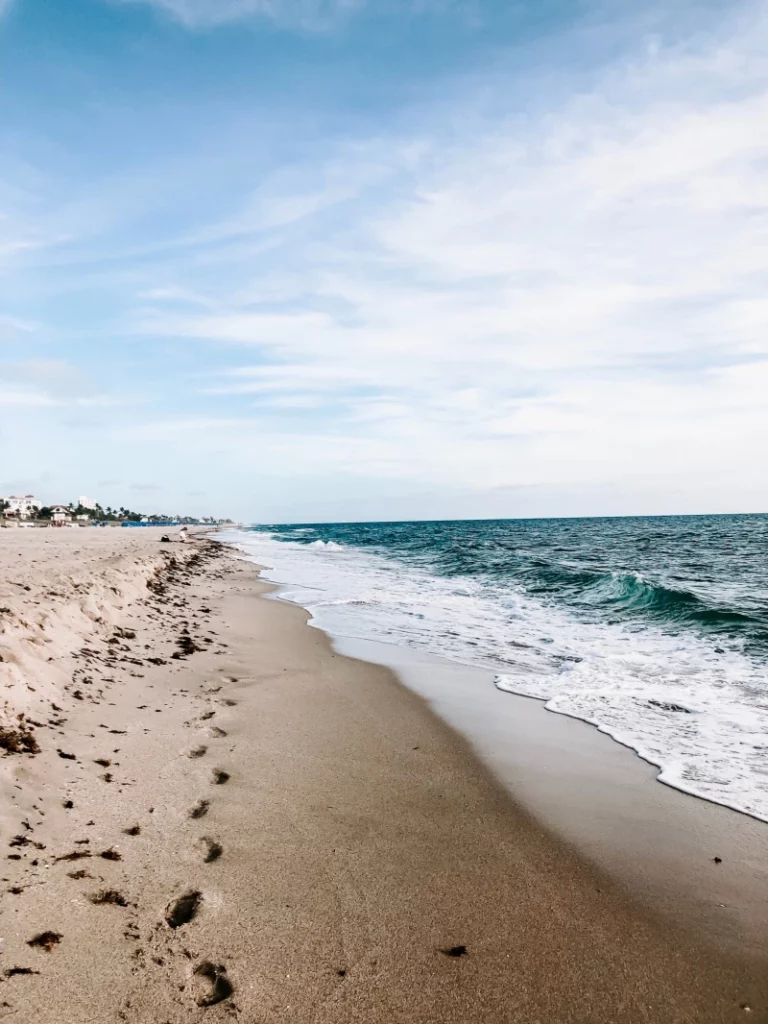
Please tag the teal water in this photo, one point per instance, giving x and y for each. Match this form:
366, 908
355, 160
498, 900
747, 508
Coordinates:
653, 628
707, 573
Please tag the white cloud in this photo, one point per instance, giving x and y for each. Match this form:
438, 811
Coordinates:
51, 382
564, 296
13, 327
25, 398
58, 380
577, 297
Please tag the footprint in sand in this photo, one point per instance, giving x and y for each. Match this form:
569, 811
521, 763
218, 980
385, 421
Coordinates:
197, 751
200, 809
220, 776
210, 984
184, 909
211, 848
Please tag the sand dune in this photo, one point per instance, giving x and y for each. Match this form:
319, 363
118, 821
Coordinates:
58, 589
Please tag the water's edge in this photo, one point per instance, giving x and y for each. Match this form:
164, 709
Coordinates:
677, 703
595, 794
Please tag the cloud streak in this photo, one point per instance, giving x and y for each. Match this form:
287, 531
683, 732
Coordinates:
565, 297
569, 299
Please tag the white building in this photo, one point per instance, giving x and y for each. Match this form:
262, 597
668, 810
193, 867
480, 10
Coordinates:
61, 514
88, 503
23, 506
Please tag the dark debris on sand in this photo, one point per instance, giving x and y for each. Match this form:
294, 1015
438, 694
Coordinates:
186, 646
455, 951
108, 897
18, 739
45, 940
75, 855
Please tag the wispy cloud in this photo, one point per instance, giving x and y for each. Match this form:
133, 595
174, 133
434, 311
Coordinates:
524, 282
52, 382
12, 327
535, 300
24, 398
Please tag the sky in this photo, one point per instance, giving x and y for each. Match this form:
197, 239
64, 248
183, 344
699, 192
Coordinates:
321, 260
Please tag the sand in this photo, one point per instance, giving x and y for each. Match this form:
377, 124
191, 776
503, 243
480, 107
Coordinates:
253, 827
688, 860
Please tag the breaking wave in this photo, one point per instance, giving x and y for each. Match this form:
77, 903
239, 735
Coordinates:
653, 630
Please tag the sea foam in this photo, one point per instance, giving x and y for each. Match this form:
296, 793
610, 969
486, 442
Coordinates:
690, 704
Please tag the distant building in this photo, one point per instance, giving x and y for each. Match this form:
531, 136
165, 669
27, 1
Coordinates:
61, 514
88, 503
23, 506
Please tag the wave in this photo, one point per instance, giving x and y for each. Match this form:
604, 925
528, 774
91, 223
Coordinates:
618, 594
675, 672
630, 592
703, 741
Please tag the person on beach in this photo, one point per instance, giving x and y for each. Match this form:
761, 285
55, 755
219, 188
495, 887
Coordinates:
184, 535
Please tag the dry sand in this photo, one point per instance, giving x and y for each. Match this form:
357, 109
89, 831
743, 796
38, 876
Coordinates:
261, 829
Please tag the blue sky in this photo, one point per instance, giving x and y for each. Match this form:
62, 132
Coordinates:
360, 259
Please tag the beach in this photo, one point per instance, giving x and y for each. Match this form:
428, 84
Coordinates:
209, 813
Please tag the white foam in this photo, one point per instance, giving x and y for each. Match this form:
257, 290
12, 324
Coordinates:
626, 681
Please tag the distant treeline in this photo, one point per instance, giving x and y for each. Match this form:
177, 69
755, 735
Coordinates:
122, 514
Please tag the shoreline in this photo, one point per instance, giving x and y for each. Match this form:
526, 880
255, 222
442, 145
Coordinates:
596, 794
631, 657
603, 799
367, 866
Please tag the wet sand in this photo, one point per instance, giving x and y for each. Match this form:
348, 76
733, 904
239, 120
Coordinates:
255, 827
689, 861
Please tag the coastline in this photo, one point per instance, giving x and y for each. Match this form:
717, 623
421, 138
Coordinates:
360, 842
603, 799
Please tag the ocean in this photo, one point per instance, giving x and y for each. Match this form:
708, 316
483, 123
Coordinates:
653, 629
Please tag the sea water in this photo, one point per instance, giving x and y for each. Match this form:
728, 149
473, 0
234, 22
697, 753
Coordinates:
654, 629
